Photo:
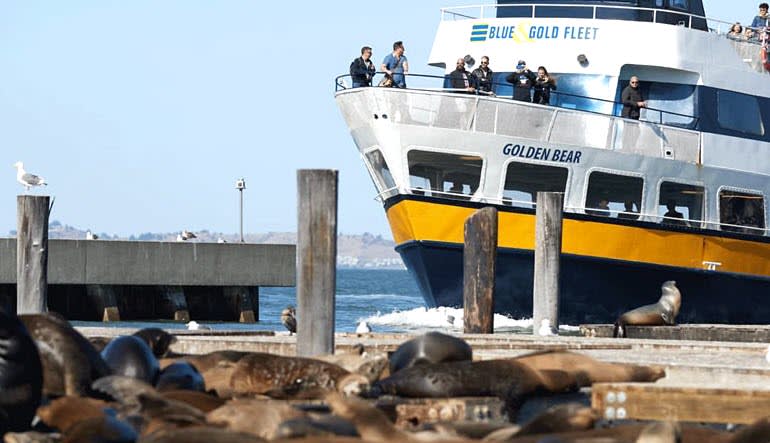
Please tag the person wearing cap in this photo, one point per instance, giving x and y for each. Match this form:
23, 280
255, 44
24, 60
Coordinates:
632, 99
522, 80
462, 80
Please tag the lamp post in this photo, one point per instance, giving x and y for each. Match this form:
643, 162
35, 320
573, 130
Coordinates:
240, 185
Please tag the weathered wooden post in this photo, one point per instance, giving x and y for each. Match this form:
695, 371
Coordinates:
316, 260
479, 264
32, 254
545, 302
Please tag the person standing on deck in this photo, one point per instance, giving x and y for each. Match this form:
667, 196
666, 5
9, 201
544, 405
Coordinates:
396, 65
632, 100
522, 80
461, 80
362, 69
483, 75
761, 20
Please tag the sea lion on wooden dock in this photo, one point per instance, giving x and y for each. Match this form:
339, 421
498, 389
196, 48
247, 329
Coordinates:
65, 412
180, 375
261, 418
21, 375
131, 356
663, 312
432, 347
70, 362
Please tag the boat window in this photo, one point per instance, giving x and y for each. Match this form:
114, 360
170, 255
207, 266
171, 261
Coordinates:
679, 4
383, 179
581, 91
524, 180
748, 120
744, 212
610, 194
675, 102
441, 174
680, 204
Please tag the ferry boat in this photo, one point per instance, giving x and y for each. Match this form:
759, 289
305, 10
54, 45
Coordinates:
684, 186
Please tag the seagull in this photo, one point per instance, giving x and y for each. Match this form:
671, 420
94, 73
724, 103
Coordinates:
185, 235
26, 179
363, 328
195, 326
545, 328
288, 318
221, 240
91, 236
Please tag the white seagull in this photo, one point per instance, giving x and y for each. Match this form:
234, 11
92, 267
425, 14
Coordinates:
185, 235
363, 328
195, 326
90, 235
545, 328
26, 179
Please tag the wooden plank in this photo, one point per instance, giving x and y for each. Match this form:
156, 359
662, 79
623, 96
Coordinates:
316, 260
32, 254
479, 257
545, 290
704, 332
645, 401
412, 412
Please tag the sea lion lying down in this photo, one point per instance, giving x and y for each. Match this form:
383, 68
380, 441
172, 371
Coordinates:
663, 312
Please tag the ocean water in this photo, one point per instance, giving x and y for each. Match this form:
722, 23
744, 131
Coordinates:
388, 300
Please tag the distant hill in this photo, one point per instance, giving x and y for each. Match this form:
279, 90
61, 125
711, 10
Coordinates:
353, 250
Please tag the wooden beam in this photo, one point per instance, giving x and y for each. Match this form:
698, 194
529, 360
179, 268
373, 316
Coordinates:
646, 401
32, 254
545, 288
479, 256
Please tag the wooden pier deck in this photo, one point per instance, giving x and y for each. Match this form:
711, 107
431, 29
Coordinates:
706, 381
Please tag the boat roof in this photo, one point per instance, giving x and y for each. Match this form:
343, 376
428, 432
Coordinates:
694, 7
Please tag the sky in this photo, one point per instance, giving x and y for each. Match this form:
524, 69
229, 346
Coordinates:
143, 114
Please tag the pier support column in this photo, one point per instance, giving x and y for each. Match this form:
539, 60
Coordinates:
32, 254
545, 290
173, 297
479, 258
316, 260
244, 302
104, 297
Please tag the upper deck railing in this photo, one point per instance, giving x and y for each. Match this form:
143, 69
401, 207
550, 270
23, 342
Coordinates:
595, 12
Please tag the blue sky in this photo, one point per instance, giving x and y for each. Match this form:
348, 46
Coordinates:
142, 114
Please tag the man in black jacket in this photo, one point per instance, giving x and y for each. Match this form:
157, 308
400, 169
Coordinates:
362, 69
632, 100
522, 80
483, 75
461, 79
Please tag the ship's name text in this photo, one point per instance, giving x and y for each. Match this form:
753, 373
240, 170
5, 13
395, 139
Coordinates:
545, 32
545, 154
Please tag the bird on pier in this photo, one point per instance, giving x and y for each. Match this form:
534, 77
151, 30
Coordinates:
185, 235
91, 236
289, 319
363, 328
26, 179
195, 326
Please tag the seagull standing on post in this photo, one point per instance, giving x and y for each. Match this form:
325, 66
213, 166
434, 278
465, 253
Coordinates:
26, 179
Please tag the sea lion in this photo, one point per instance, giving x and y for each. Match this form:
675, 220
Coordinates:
200, 434
157, 339
100, 429
663, 312
257, 417
316, 425
65, 412
202, 401
70, 363
180, 375
432, 347
131, 356
290, 377
660, 432
561, 418
369, 364
21, 375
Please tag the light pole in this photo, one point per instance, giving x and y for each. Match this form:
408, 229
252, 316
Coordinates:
240, 185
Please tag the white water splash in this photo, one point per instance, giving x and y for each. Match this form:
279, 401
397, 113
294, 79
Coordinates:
445, 318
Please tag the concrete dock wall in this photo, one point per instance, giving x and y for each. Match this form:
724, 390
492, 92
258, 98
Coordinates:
160, 263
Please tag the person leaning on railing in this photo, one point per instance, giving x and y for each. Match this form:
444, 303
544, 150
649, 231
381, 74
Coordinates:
483, 75
461, 80
632, 100
362, 69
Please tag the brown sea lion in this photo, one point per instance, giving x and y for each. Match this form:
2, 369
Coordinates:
660, 432
31, 437
626, 433
595, 371
258, 417
70, 362
200, 400
561, 418
21, 375
369, 364
290, 377
663, 312
757, 432
200, 435
157, 339
100, 429
432, 347
64, 412
316, 425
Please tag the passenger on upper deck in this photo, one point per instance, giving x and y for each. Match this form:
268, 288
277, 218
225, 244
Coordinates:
602, 207
761, 20
462, 80
736, 32
544, 84
483, 75
671, 216
362, 69
396, 65
522, 80
632, 100
629, 213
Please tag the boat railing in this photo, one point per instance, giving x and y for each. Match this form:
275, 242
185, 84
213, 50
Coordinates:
652, 115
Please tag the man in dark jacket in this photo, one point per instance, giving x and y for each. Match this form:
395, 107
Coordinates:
460, 79
483, 75
362, 69
632, 100
522, 80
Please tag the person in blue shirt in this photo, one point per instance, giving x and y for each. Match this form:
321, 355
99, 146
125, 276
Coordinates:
761, 20
396, 65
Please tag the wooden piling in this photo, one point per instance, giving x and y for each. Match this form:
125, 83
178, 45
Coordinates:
479, 264
316, 260
545, 291
174, 299
243, 302
104, 297
32, 254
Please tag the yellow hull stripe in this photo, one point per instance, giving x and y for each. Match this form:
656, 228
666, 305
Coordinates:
417, 220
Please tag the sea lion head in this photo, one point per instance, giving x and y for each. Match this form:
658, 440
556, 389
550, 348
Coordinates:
353, 384
671, 300
131, 356
157, 339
